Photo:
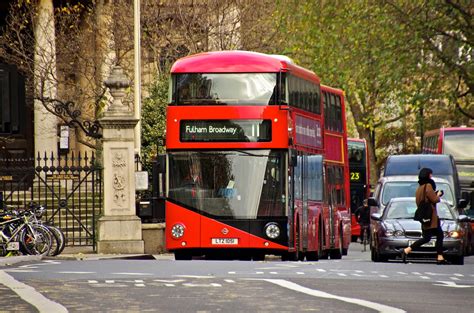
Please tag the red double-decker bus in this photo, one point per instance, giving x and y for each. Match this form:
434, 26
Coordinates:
250, 168
359, 177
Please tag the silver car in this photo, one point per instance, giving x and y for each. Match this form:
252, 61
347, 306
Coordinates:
395, 229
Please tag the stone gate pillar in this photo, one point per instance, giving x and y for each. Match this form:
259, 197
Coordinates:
119, 229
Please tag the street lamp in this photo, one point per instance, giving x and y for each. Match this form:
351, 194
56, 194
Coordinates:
137, 70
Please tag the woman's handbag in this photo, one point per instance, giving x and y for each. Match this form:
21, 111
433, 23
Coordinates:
424, 211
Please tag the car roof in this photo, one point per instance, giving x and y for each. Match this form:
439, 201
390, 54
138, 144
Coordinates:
442, 164
410, 178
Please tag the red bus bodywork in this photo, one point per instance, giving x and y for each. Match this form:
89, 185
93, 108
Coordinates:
305, 221
441, 141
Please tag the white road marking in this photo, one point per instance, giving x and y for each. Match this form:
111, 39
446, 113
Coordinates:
169, 281
13, 270
134, 274
454, 278
259, 273
424, 277
92, 281
52, 262
321, 294
202, 285
452, 284
69, 272
274, 273
197, 276
231, 273
436, 274
300, 273
320, 270
110, 281
383, 276
30, 295
169, 285
286, 265
457, 274
341, 274
138, 280
229, 281
139, 285
403, 273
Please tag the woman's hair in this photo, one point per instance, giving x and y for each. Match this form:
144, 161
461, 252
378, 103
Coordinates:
425, 173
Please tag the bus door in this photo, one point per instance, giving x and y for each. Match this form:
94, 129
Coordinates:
292, 162
331, 203
304, 199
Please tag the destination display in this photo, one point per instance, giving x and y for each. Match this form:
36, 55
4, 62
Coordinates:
225, 130
356, 176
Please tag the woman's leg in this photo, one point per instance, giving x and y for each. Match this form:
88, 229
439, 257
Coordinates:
439, 242
427, 234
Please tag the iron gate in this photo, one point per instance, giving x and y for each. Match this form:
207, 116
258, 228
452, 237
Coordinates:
69, 186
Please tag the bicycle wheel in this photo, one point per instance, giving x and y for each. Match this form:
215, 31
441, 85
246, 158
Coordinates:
60, 240
365, 239
36, 240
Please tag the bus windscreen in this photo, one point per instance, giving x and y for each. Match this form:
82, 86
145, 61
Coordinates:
225, 89
459, 144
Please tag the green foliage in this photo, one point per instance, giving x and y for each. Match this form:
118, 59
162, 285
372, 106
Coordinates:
153, 118
382, 63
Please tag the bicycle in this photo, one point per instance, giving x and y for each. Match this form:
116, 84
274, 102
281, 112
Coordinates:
19, 234
365, 237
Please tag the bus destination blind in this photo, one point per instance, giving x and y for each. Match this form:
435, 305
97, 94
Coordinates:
225, 130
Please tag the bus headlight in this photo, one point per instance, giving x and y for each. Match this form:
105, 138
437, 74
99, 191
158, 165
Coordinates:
272, 230
177, 231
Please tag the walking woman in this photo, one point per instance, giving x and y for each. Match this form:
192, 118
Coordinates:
426, 192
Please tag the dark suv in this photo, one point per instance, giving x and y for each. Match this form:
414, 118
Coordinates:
443, 166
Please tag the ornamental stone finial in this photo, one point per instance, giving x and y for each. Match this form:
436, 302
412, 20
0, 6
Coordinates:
117, 83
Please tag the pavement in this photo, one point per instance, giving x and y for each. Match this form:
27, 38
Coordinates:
82, 253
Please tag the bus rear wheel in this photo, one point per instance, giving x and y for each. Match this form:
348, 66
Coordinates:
336, 254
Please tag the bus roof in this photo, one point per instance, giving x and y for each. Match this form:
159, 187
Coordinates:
449, 129
356, 140
331, 89
237, 61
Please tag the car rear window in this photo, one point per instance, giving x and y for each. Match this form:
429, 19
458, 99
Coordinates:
409, 165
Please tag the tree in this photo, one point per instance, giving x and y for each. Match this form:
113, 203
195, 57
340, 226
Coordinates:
55, 53
154, 118
447, 34
355, 46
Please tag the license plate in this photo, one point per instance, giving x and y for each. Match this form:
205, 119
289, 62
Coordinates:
429, 244
225, 241
13, 246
